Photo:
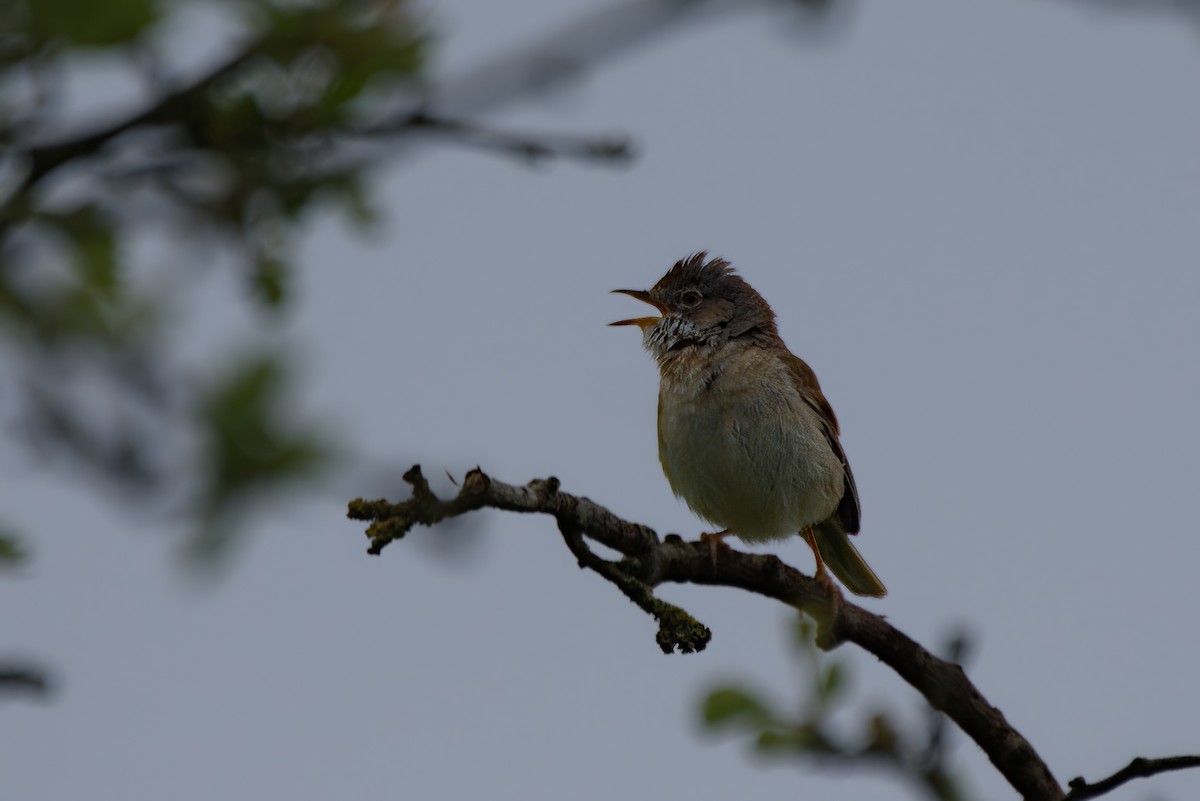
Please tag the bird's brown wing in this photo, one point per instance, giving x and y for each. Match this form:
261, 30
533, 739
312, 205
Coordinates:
848, 512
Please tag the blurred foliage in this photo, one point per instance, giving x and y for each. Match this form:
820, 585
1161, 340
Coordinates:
830, 729
225, 162
244, 149
11, 552
81, 22
250, 446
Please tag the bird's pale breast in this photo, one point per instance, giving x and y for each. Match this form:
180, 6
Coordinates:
742, 447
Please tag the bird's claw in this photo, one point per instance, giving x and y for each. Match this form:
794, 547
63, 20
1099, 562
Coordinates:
716, 541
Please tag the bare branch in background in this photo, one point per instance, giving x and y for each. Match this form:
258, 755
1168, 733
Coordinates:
1139, 768
533, 147
23, 679
42, 159
548, 63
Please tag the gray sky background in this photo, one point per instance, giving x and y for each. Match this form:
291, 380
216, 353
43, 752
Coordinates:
978, 221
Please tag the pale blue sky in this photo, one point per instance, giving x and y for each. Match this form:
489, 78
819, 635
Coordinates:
978, 221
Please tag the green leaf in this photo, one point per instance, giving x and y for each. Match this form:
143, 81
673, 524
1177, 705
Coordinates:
92, 235
92, 302
11, 552
774, 741
800, 738
728, 705
771, 741
804, 632
348, 192
882, 736
252, 446
833, 681
90, 22
269, 280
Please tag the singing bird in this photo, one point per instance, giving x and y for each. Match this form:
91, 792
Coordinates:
745, 435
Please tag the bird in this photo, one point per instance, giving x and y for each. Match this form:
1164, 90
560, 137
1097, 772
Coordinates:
745, 436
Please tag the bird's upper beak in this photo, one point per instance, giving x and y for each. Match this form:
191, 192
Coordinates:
644, 297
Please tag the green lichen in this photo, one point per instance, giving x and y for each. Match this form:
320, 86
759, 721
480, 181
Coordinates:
678, 629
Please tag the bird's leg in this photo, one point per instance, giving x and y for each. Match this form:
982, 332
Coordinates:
715, 541
822, 575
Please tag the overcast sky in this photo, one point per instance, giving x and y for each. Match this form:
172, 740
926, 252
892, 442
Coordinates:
979, 223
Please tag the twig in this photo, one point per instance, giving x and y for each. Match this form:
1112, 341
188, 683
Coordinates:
1139, 768
530, 146
676, 628
23, 679
650, 561
43, 159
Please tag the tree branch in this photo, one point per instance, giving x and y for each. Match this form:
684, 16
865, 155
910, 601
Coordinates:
45, 158
23, 679
530, 146
649, 561
536, 67
1139, 768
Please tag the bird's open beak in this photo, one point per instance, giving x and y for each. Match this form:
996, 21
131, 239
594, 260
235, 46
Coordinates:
644, 297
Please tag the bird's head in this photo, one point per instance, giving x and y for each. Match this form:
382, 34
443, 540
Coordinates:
702, 302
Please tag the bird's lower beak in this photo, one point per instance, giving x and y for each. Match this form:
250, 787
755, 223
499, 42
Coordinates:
644, 297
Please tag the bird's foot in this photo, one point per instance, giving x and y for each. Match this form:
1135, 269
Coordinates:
825, 580
822, 575
716, 542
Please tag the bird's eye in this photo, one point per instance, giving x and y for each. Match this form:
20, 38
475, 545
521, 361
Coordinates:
690, 298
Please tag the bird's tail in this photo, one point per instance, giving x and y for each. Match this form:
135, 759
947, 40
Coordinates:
845, 562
